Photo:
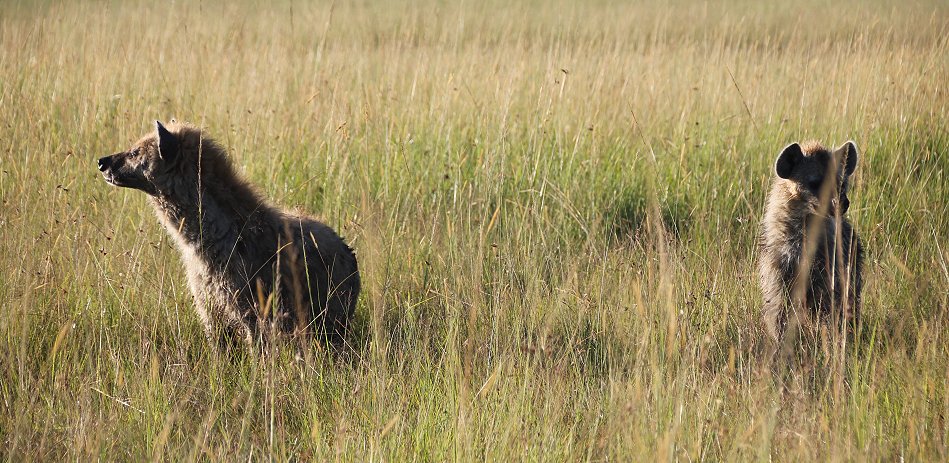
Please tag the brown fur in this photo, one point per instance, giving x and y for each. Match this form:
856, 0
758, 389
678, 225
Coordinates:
811, 259
254, 270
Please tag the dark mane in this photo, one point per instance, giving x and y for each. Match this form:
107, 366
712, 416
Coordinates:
218, 176
813, 148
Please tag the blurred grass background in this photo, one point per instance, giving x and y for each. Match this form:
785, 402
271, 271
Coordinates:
554, 206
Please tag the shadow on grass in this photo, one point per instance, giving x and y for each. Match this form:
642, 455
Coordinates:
626, 215
584, 348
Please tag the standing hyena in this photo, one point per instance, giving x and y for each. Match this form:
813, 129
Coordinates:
254, 269
811, 258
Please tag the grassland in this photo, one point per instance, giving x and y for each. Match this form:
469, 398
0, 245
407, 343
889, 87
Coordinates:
554, 205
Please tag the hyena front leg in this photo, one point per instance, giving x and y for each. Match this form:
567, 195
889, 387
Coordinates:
787, 320
230, 337
226, 333
774, 314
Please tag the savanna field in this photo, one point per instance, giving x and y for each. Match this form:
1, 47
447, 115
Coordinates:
555, 208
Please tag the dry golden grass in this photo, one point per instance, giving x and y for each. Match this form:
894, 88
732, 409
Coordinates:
554, 205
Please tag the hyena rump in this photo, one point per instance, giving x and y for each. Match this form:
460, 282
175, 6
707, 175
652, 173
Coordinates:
810, 256
254, 270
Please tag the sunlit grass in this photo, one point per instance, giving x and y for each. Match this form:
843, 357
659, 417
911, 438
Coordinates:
554, 207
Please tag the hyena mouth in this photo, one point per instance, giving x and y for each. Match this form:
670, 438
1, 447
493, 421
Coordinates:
110, 179
107, 166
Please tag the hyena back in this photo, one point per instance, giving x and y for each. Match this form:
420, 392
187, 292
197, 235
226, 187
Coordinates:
811, 259
254, 270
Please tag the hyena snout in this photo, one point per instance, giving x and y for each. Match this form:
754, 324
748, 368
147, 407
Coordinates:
843, 205
116, 171
113, 165
105, 163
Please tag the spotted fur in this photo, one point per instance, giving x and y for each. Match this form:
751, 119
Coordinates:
811, 259
255, 270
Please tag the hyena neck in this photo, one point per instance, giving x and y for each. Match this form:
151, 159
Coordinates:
786, 220
211, 220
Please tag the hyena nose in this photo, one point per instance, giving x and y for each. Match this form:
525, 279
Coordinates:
105, 163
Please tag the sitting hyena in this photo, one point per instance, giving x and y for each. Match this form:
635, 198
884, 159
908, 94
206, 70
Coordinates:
811, 258
254, 270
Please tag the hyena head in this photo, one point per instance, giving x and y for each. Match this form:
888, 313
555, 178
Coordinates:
152, 161
818, 176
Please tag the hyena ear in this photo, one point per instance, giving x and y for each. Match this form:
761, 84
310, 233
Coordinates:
168, 145
849, 153
788, 158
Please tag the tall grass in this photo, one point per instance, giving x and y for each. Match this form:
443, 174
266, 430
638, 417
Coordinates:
554, 206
